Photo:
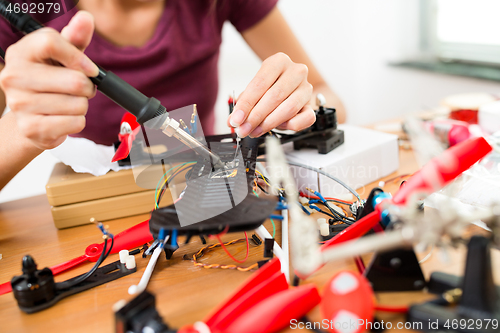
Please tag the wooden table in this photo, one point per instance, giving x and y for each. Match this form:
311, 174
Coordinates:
184, 293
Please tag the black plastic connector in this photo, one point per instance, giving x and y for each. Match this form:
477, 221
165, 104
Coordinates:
138, 314
268, 247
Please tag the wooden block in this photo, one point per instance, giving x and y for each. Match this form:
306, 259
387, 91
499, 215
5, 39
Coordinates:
107, 208
66, 186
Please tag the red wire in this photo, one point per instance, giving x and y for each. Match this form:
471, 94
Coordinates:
394, 309
302, 194
229, 254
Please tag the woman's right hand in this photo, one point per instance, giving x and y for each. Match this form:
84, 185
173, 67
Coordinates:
50, 101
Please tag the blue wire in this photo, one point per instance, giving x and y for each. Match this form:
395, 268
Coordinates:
281, 206
194, 125
276, 217
315, 208
174, 238
304, 209
319, 196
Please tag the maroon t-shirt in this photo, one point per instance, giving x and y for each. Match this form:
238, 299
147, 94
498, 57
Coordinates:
178, 65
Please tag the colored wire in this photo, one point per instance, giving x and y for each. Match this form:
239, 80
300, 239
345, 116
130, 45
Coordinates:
350, 189
339, 216
274, 228
229, 254
310, 196
206, 249
272, 221
166, 180
260, 187
263, 177
171, 178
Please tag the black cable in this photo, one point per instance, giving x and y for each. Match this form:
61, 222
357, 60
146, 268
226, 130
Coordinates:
336, 216
340, 216
72, 282
2, 53
258, 185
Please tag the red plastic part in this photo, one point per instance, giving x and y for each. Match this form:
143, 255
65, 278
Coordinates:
348, 298
124, 147
125, 240
443, 168
355, 230
275, 312
469, 116
263, 284
126, 139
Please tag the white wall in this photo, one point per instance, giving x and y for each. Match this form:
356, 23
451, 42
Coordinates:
350, 41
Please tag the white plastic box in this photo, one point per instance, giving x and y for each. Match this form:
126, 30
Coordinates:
365, 157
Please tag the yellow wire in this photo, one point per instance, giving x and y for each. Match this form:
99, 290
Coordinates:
166, 180
264, 178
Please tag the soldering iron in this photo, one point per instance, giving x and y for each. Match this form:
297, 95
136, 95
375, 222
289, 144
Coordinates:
145, 109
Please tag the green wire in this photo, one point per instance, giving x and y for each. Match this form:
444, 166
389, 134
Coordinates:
162, 178
274, 226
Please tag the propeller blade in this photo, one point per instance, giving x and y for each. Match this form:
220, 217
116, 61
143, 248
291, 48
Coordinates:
123, 149
126, 240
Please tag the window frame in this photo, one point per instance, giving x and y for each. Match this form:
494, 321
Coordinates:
450, 52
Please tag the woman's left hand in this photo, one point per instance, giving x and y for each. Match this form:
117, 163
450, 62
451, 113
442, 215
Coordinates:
279, 96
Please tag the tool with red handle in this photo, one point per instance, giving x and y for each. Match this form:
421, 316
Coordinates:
263, 304
275, 312
440, 171
125, 240
348, 303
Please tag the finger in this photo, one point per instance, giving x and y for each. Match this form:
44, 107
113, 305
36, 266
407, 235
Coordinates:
45, 130
49, 79
49, 45
271, 112
305, 118
79, 30
267, 75
48, 104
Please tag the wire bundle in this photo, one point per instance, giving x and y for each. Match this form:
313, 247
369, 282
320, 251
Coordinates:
160, 190
208, 248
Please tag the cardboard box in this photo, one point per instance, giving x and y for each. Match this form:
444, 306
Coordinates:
365, 156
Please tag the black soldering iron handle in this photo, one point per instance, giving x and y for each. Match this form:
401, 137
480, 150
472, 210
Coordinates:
143, 107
